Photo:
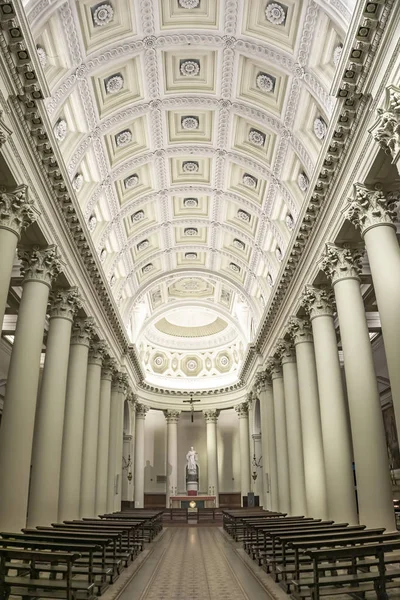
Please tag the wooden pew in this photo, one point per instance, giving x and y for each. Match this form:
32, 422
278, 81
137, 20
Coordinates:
356, 580
32, 563
205, 514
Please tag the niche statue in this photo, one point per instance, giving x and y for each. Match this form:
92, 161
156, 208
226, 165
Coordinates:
192, 468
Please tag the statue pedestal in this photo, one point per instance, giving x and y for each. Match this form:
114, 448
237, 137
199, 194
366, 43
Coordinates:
192, 488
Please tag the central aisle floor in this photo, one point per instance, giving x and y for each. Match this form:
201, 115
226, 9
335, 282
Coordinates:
190, 563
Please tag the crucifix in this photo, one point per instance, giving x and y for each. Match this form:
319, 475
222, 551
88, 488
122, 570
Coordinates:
191, 404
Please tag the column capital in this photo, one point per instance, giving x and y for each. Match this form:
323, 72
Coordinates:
262, 381
274, 367
109, 367
82, 331
131, 397
286, 351
40, 264
120, 382
64, 304
300, 330
242, 410
141, 410
250, 396
371, 208
211, 415
318, 302
172, 415
17, 210
97, 352
341, 263
386, 130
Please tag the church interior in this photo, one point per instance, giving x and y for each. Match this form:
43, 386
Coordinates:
200, 299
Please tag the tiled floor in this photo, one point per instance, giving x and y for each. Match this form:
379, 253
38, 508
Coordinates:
192, 563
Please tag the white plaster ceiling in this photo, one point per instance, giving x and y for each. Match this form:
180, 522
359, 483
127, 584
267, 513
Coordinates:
189, 130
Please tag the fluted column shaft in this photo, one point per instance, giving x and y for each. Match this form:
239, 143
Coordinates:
40, 268
245, 477
313, 450
374, 213
91, 431
141, 411
17, 212
369, 444
172, 418
71, 455
118, 389
103, 441
293, 425
47, 441
211, 417
280, 436
336, 434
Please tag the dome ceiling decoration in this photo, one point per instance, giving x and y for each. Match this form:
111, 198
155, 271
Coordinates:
190, 130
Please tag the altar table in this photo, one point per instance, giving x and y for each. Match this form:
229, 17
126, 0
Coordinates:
201, 501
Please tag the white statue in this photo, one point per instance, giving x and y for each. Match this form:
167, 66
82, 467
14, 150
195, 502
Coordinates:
192, 459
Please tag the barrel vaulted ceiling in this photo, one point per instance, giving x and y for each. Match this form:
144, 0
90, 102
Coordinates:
190, 130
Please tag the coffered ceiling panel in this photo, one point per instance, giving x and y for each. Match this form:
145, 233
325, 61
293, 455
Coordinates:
190, 130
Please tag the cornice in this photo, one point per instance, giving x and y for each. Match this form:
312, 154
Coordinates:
355, 69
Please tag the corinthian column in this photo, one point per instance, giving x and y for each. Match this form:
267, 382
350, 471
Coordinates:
172, 418
141, 411
274, 367
336, 436
244, 434
211, 417
293, 426
373, 213
119, 387
40, 268
313, 450
17, 211
264, 385
47, 441
103, 440
71, 456
343, 267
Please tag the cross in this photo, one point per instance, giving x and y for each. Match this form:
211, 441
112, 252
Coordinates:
191, 404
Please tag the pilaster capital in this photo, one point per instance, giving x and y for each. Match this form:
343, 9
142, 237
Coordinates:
171, 415
339, 264
371, 208
318, 302
120, 382
17, 210
141, 410
108, 368
40, 264
250, 396
98, 350
211, 415
242, 410
82, 331
262, 381
274, 367
300, 330
131, 397
286, 351
386, 130
64, 304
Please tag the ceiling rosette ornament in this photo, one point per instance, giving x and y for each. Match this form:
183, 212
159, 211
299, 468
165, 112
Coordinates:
239, 244
302, 181
190, 122
190, 68
190, 166
234, 267
114, 84
190, 202
256, 137
190, 231
275, 13
131, 181
337, 53
102, 14
189, 4
191, 255
143, 245
265, 82
148, 268
270, 281
77, 182
249, 181
138, 216
42, 54
123, 138
320, 128
289, 222
60, 130
92, 222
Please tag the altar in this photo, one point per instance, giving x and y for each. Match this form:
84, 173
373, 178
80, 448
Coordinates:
192, 502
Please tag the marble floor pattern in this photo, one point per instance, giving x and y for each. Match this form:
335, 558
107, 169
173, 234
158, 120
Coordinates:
192, 563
